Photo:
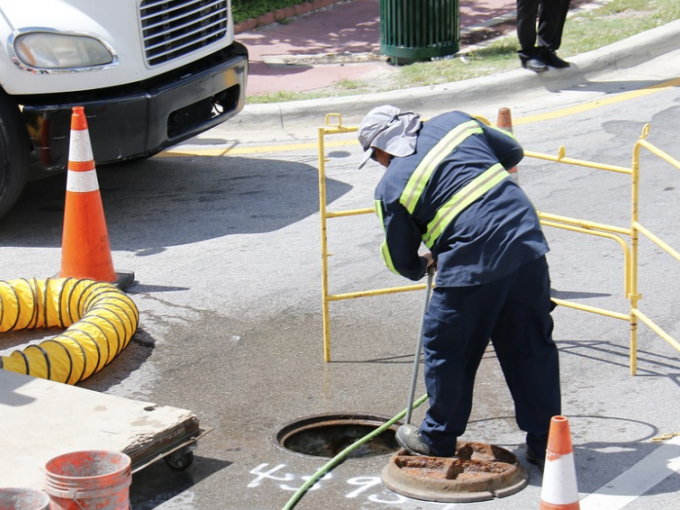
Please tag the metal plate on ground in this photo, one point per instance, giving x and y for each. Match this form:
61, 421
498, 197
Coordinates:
480, 472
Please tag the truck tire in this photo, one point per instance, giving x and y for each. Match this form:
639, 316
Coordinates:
14, 151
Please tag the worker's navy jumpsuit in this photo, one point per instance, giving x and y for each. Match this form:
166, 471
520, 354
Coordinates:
492, 278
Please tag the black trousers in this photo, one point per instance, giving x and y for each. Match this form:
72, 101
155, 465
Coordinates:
514, 313
551, 18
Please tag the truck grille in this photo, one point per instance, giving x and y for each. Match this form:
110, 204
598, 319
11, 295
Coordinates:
172, 28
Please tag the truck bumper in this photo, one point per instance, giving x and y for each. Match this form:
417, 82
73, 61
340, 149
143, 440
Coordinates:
142, 119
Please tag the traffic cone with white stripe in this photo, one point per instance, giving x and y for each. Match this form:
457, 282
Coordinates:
504, 121
85, 242
559, 490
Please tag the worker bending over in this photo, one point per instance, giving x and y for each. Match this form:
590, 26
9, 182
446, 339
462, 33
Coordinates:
446, 186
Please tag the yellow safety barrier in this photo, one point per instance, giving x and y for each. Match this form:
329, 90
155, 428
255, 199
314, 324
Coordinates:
630, 252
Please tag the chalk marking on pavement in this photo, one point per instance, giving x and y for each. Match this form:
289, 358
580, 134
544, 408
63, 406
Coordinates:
633, 483
590, 105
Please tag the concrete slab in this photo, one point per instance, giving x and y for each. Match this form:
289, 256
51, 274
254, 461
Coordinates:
42, 419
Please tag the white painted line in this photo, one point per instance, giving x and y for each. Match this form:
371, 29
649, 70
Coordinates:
646, 474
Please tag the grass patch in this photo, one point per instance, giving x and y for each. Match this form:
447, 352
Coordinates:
498, 57
242, 10
583, 32
282, 97
613, 22
276, 97
354, 85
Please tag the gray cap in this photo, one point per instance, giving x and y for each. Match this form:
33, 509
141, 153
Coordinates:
387, 128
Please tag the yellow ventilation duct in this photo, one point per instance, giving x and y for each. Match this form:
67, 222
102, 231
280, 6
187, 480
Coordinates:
99, 318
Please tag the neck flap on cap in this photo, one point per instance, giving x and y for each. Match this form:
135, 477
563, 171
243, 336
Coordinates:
387, 128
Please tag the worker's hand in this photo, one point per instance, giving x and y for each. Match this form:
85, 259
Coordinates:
431, 263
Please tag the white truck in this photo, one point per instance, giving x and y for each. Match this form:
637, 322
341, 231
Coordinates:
149, 73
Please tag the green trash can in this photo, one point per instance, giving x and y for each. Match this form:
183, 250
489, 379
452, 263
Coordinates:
416, 30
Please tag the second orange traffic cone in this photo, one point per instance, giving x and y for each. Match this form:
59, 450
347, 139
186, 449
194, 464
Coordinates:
504, 121
85, 242
559, 490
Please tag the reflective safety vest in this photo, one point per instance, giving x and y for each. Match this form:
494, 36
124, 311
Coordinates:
452, 196
472, 191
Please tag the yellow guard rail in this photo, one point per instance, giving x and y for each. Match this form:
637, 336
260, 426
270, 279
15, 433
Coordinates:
630, 251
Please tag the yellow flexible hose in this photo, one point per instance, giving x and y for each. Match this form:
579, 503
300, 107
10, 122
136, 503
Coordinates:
99, 318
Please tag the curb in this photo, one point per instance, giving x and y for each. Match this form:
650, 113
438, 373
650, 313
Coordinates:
620, 55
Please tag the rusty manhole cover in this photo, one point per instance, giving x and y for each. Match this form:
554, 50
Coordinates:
479, 473
327, 435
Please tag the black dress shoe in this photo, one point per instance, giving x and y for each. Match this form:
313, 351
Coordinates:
550, 57
534, 64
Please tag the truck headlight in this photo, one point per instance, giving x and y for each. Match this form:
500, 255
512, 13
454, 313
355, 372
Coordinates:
45, 50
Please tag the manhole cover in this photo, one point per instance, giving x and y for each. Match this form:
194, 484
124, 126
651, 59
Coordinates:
327, 435
479, 473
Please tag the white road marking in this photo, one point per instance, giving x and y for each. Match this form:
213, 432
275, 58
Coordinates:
646, 474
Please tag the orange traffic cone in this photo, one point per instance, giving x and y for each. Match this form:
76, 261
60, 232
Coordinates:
85, 241
504, 121
559, 490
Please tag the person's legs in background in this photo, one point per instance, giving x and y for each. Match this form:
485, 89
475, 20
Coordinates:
529, 54
551, 15
550, 27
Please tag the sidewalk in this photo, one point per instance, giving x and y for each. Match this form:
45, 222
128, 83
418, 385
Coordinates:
343, 28
354, 27
473, 93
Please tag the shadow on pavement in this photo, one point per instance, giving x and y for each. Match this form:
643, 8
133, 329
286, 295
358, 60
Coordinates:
163, 202
618, 355
157, 483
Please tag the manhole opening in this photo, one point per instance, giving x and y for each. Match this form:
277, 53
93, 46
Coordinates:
328, 435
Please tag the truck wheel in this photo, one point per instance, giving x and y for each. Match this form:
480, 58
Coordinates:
14, 149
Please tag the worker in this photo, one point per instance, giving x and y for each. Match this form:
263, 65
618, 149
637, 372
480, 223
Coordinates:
446, 186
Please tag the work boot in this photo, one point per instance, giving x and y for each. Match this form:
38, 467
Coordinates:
535, 458
409, 438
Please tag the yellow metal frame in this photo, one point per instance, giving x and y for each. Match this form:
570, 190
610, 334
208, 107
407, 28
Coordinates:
630, 253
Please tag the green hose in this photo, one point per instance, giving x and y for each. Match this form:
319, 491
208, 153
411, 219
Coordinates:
341, 456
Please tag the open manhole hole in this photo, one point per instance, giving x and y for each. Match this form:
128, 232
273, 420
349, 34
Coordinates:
327, 435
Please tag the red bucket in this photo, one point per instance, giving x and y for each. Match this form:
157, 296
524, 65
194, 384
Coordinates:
89, 480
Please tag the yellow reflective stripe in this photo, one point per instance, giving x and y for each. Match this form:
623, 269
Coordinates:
458, 202
377, 204
384, 250
387, 258
420, 177
505, 132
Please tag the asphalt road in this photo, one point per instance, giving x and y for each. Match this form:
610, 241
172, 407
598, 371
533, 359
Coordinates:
225, 245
